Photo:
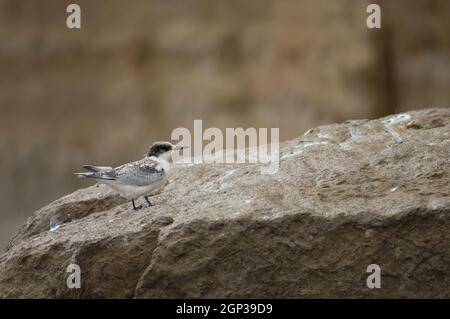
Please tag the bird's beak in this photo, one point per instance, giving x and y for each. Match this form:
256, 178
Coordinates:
179, 147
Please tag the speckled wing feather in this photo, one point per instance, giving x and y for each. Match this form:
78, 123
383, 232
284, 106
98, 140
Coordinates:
140, 173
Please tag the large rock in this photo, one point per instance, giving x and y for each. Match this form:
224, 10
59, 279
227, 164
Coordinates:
346, 196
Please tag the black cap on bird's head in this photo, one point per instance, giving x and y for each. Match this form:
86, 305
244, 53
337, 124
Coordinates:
160, 148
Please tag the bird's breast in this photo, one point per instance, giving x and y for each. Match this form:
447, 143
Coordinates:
132, 191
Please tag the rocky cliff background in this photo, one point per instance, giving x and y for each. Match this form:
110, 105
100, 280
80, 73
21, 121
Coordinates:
138, 69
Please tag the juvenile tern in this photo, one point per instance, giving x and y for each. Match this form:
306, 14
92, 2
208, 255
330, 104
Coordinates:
132, 180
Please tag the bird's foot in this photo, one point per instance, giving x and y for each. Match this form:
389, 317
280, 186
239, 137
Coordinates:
148, 201
136, 207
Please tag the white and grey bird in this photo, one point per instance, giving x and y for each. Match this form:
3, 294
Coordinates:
135, 179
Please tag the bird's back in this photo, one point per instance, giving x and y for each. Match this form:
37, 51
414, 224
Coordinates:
139, 173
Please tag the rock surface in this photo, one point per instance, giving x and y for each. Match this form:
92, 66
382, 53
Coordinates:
345, 196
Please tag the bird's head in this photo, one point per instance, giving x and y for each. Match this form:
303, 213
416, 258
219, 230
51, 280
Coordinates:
163, 150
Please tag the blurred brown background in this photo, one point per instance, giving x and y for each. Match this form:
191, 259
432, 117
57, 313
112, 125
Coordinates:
138, 69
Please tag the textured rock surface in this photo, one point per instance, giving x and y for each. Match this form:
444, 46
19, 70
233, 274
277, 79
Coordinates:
346, 196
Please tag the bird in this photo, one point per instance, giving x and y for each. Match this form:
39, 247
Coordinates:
134, 179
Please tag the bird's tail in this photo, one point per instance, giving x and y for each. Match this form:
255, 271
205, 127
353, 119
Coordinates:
86, 175
99, 173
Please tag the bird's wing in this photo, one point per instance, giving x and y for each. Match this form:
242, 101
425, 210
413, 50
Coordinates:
140, 173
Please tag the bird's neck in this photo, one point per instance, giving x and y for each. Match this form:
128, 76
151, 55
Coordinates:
165, 164
163, 161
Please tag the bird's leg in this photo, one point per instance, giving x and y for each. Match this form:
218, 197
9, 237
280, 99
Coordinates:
134, 205
148, 201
